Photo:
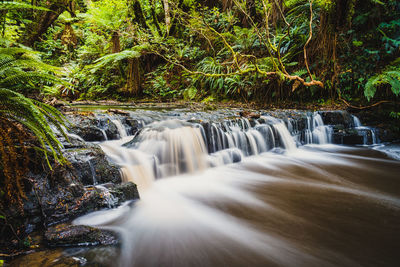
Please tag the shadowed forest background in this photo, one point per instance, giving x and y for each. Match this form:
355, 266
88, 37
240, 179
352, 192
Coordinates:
269, 51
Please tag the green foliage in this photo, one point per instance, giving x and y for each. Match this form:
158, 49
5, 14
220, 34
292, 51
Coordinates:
157, 85
216, 49
111, 59
35, 116
22, 70
13, 5
390, 76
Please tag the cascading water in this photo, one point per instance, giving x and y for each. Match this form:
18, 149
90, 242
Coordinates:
368, 133
174, 147
320, 132
120, 127
305, 207
356, 121
316, 132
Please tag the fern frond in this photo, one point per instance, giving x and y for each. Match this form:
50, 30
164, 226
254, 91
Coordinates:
390, 76
35, 117
111, 59
29, 77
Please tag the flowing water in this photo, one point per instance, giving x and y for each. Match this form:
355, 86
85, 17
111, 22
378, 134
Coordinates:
282, 205
264, 192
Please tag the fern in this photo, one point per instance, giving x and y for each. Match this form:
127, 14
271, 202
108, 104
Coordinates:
35, 116
114, 58
21, 68
390, 76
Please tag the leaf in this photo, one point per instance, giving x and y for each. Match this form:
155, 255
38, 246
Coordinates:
190, 93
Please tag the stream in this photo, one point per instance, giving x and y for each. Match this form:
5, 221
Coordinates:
274, 190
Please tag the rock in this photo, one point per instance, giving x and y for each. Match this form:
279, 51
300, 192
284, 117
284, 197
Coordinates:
249, 114
336, 117
93, 128
91, 166
89, 133
110, 129
47, 258
78, 235
125, 191
348, 136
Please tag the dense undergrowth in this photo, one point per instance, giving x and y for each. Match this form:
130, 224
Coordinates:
266, 50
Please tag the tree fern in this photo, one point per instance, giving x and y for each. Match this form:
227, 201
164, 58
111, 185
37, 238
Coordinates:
114, 58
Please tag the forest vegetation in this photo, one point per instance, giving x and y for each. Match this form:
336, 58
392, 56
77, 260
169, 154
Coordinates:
267, 51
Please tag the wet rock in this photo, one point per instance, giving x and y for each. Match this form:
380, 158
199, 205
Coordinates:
73, 141
91, 166
48, 258
347, 136
337, 117
133, 125
109, 128
125, 191
89, 133
93, 128
78, 235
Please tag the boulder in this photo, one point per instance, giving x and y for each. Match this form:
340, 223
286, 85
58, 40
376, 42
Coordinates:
78, 235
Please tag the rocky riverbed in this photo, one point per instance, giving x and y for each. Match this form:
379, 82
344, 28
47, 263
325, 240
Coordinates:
92, 182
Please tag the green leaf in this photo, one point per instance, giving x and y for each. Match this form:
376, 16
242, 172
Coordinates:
190, 93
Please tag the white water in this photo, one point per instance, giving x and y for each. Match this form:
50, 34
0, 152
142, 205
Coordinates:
365, 131
304, 207
121, 129
356, 121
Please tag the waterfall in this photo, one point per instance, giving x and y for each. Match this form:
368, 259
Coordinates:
178, 146
172, 147
368, 133
136, 166
104, 134
316, 132
321, 133
286, 138
356, 121
121, 129
92, 171
270, 210
198, 208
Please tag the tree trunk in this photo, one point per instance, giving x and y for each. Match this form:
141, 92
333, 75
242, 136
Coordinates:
251, 11
134, 84
227, 4
44, 20
167, 16
138, 13
154, 16
276, 13
115, 43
